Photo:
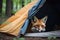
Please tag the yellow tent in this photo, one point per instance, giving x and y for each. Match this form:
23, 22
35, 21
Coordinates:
14, 23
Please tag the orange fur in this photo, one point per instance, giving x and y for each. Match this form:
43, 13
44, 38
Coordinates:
38, 24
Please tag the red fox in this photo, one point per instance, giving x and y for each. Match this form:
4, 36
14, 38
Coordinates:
39, 24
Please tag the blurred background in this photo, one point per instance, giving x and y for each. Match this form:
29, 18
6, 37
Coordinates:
9, 7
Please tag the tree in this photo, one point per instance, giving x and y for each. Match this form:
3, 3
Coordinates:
8, 8
0, 7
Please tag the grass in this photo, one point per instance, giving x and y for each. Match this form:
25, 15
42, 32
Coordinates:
52, 38
19, 38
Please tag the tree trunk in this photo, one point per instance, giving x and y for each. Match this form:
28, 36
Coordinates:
12, 8
22, 3
8, 8
0, 7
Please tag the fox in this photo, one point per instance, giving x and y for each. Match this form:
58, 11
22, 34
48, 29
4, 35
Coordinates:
39, 24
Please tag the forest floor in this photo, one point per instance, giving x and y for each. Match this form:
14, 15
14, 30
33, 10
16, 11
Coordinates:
9, 37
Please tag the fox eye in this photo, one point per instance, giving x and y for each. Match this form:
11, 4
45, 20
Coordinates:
42, 25
36, 25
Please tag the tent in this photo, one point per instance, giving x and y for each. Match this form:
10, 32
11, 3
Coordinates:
18, 23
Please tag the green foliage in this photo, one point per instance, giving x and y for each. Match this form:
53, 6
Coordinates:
18, 38
16, 5
52, 38
3, 8
20, 4
29, 1
26, 2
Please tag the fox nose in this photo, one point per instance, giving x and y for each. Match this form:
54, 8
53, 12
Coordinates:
33, 29
41, 29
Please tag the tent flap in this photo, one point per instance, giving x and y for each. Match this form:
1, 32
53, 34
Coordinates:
31, 13
14, 23
18, 23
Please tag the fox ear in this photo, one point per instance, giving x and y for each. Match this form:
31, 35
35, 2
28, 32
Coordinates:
35, 18
44, 19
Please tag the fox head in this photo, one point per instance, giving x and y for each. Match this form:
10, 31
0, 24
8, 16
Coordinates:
39, 24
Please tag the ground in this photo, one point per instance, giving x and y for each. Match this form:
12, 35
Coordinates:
10, 37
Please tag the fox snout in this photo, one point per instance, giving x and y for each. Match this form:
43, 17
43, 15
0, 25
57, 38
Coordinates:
38, 28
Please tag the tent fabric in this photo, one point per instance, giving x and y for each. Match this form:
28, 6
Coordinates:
14, 24
31, 13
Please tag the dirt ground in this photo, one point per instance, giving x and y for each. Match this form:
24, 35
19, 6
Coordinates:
10, 37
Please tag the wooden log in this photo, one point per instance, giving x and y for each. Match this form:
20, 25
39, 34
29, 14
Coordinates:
44, 34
